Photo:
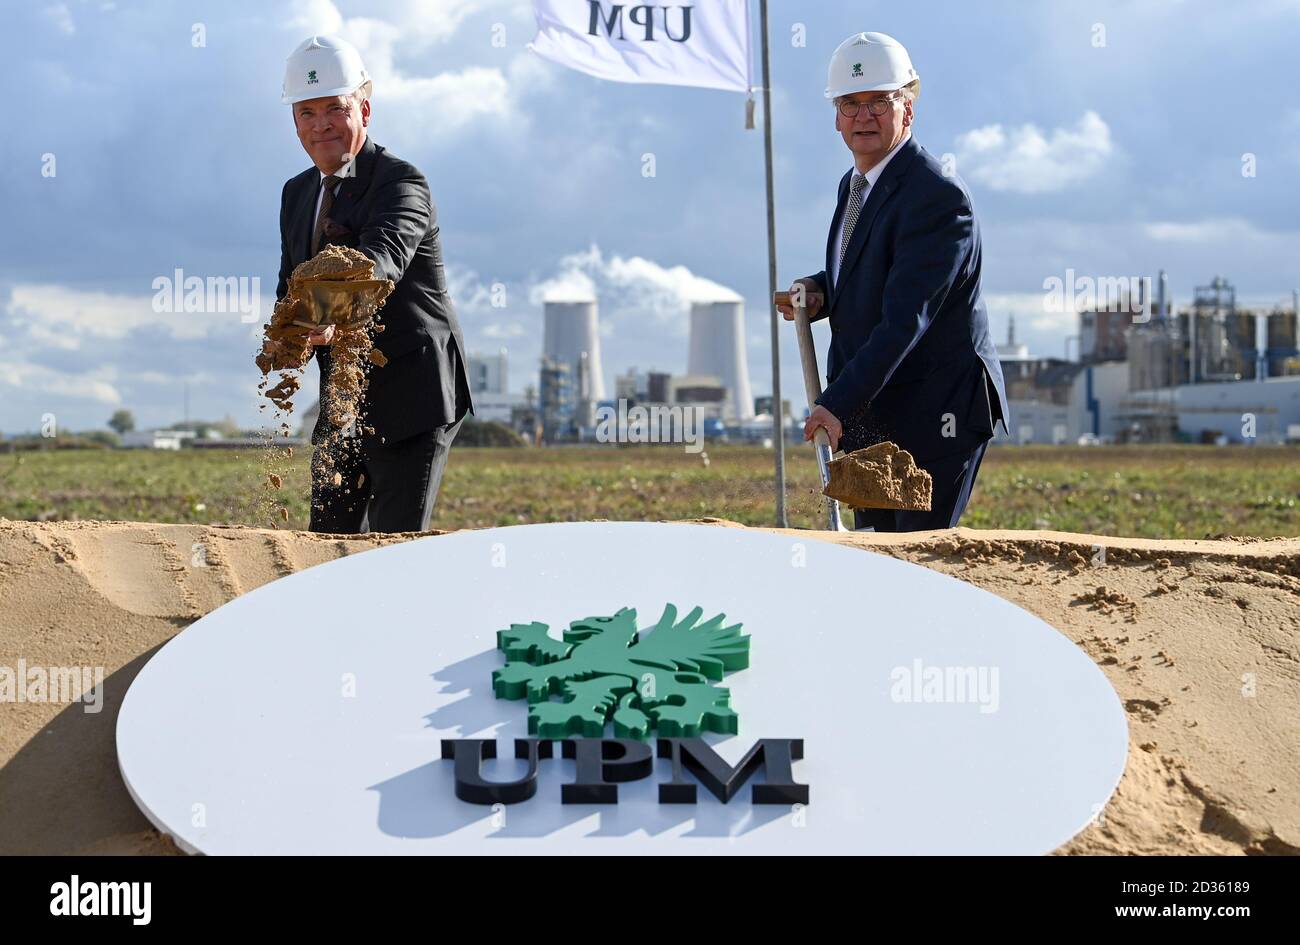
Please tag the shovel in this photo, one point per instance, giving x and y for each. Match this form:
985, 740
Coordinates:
813, 388
340, 302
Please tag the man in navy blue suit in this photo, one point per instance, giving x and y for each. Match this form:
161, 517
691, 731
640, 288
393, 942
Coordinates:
910, 358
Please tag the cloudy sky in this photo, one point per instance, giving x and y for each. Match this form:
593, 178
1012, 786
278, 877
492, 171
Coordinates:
1111, 138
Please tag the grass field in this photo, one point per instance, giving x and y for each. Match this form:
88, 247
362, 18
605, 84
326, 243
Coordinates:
1156, 492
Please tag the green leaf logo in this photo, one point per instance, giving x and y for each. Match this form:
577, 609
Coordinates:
604, 671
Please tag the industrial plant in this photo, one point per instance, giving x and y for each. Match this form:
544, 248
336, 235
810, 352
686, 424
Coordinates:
1144, 371
1211, 372
647, 405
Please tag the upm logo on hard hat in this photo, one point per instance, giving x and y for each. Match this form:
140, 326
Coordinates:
311, 78
857, 68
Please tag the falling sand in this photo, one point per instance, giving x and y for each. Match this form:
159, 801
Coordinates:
285, 346
336, 287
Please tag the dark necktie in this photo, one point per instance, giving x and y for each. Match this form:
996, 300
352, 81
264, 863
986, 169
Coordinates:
326, 203
851, 216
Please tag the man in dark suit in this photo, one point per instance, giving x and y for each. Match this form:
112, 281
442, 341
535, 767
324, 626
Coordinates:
359, 195
910, 357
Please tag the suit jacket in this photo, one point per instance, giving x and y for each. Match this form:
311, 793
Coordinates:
910, 358
385, 211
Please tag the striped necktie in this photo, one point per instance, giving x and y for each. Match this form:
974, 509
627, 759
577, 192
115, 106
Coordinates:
326, 204
851, 212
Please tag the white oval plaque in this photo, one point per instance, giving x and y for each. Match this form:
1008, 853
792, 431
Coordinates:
312, 715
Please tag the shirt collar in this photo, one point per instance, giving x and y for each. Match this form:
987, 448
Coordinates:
873, 175
342, 173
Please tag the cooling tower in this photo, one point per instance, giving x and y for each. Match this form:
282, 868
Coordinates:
568, 333
718, 348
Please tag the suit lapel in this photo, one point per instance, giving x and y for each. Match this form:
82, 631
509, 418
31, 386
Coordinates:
876, 198
862, 228
840, 203
305, 216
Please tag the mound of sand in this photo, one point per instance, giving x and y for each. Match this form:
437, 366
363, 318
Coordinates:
1201, 639
340, 263
879, 477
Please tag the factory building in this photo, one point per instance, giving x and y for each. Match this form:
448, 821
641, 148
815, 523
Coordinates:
488, 374
489, 381
1066, 402
1231, 412
1213, 372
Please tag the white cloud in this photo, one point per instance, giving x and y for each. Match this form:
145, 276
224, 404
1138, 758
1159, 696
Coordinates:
318, 17
569, 286
412, 107
504, 330
467, 289
34, 378
424, 21
1031, 311
61, 17
530, 73
449, 101
1227, 230
66, 352
573, 283
1027, 160
676, 282
633, 282
57, 316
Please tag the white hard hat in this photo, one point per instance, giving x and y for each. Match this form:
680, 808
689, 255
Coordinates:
869, 62
322, 66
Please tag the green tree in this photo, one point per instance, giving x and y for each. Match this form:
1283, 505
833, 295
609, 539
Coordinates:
122, 421
487, 433
227, 426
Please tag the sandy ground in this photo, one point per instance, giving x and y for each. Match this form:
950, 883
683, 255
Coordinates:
1201, 639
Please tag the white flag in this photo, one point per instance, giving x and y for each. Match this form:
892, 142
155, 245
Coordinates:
705, 43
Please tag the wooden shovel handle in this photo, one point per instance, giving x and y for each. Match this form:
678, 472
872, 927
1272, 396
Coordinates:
807, 353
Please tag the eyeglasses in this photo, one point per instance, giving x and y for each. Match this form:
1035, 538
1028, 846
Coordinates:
876, 107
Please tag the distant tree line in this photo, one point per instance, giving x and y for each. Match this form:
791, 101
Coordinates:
472, 433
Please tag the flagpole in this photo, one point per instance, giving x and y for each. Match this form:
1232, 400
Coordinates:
778, 426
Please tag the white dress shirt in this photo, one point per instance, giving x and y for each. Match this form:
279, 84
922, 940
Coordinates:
872, 176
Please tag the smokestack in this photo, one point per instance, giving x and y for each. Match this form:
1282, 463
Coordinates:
570, 334
1162, 289
717, 347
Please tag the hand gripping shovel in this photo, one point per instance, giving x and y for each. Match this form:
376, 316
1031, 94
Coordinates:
813, 388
